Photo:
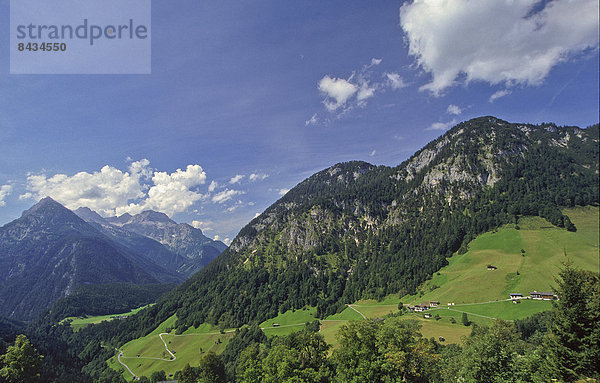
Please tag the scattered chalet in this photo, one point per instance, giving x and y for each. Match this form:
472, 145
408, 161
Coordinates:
545, 295
417, 308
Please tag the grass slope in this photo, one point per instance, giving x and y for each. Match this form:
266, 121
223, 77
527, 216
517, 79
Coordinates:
79, 322
187, 347
465, 281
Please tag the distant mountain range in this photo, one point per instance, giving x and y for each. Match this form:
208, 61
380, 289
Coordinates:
49, 251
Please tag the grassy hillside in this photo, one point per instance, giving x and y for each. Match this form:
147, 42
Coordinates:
78, 322
465, 281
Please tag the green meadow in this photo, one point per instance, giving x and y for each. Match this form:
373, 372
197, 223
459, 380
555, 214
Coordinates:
467, 280
78, 322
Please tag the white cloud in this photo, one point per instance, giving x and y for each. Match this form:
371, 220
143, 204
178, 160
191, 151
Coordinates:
442, 125
365, 91
394, 81
226, 241
225, 195
5, 191
454, 109
203, 225
213, 185
282, 191
256, 215
336, 89
375, 61
236, 179
373, 153
258, 176
499, 94
102, 191
500, 42
111, 191
140, 168
171, 193
311, 121
398, 137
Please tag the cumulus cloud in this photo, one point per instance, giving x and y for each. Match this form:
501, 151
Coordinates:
499, 94
213, 185
102, 191
337, 91
225, 195
454, 109
500, 42
282, 191
373, 153
394, 81
442, 125
111, 191
258, 176
202, 225
5, 191
172, 193
236, 179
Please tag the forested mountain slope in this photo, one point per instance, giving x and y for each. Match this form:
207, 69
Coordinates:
361, 231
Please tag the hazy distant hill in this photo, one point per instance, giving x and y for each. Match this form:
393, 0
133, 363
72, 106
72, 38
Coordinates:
49, 251
182, 239
152, 249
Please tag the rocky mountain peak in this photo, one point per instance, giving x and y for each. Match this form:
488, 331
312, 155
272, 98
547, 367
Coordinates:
89, 215
153, 216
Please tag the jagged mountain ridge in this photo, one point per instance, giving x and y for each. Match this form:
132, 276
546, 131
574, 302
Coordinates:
152, 249
356, 230
186, 241
49, 251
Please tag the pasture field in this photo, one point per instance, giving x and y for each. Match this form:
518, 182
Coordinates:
466, 279
78, 322
148, 354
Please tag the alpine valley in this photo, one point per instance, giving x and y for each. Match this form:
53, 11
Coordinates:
352, 242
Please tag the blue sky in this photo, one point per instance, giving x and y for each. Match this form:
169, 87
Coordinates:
248, 99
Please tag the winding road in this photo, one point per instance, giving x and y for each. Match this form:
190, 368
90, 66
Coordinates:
361, 314
124, 365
